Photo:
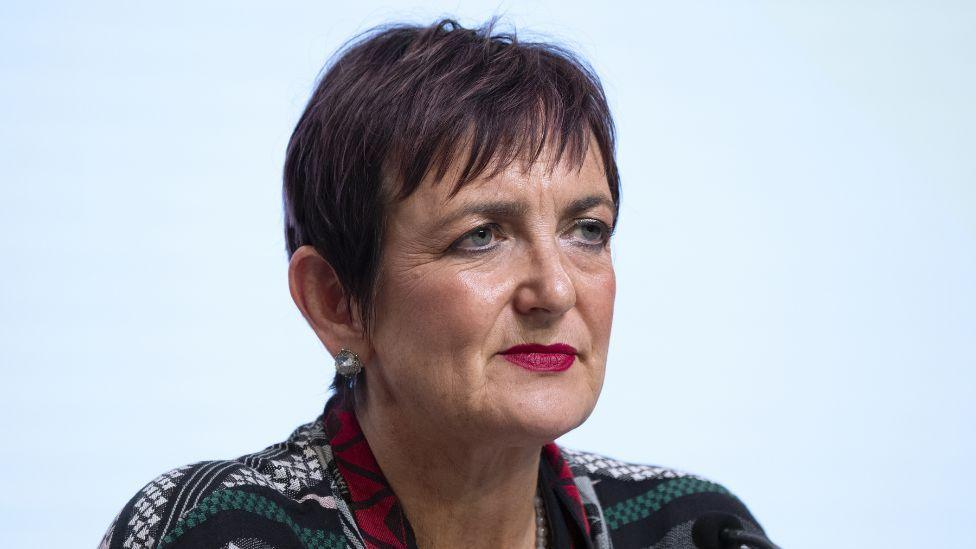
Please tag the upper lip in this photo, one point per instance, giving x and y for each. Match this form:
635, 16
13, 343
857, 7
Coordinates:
540, 348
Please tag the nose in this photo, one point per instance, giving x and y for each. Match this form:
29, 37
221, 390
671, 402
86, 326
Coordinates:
546, 289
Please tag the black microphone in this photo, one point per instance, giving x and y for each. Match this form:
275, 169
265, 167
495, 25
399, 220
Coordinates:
715, 530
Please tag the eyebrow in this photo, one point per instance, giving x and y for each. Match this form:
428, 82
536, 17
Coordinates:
510, 210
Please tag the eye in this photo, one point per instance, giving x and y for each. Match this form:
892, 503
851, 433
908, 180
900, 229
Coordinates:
480, 237
594, 232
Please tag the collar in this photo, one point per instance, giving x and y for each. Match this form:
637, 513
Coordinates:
378, 511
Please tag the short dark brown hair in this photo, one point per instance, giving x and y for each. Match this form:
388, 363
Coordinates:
400, 100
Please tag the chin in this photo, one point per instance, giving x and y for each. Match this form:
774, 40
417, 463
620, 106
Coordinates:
544, 414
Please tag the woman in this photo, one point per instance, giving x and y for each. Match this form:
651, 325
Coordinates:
449, 199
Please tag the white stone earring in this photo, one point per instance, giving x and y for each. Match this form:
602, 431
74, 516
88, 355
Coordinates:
348, 363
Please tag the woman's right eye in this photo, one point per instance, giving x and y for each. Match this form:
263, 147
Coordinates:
479, 237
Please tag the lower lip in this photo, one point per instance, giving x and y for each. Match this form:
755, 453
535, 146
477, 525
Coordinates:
542, 362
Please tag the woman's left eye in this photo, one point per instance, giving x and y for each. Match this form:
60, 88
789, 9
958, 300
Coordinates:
595, 232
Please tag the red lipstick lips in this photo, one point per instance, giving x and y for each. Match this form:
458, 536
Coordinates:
542, 358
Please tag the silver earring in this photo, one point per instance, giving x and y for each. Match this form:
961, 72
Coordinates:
348, 363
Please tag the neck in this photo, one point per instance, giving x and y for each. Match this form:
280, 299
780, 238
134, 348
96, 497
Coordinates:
457, 491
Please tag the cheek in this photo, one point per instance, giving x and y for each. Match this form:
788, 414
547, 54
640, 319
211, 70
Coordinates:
438, 333
598, 295
450, 312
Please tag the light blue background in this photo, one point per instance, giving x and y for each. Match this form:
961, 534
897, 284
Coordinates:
796, 259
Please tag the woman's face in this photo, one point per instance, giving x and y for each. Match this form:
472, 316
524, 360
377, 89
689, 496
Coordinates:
457, 289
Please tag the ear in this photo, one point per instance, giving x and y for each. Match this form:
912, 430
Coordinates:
320, 297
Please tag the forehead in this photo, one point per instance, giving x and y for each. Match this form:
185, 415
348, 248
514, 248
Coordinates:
564, 182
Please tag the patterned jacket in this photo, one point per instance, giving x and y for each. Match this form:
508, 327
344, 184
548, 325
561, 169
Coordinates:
322, 488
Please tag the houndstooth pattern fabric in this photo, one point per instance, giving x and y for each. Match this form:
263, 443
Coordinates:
247, 543
247, 476
289, 468
143, 526
596, 464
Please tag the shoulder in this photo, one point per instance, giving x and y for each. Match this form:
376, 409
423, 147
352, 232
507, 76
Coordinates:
642, 505
282, 491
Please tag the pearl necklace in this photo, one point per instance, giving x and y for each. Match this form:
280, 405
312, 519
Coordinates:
541, 532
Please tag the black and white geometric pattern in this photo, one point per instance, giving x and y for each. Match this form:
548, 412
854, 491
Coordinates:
290, 468
596, 464
247, 543
246, 476
142, 529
